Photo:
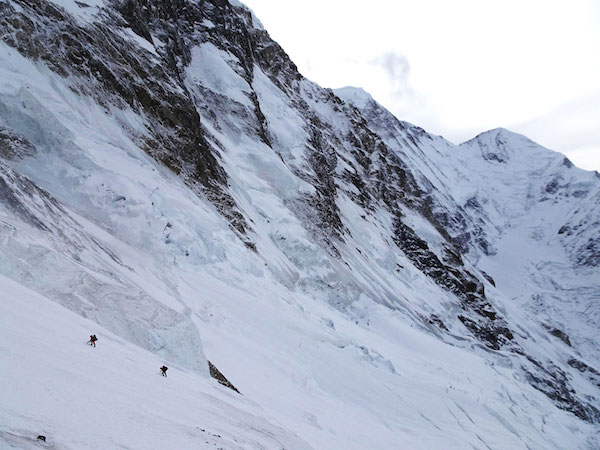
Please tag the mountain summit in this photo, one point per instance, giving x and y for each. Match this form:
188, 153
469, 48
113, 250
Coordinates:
170, 182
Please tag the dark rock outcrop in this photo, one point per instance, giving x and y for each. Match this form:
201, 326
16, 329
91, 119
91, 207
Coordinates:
553, 382
558, 333
484, 322
14, 146
217, 375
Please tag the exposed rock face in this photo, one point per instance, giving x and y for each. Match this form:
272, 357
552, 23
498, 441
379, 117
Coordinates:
553, 382
217, 375
590, 372
14, 146
488, 326
11, 199
559, 334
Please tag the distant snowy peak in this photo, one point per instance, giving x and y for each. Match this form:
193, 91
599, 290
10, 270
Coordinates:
499, 145
499, 133
356, 96
541, 187
503, 146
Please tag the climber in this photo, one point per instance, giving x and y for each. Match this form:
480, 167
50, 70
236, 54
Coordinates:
163, 371
92, 340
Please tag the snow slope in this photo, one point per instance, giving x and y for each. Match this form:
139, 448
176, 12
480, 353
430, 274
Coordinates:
111, 396
531, 218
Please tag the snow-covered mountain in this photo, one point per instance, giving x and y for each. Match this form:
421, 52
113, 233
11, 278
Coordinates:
169, 176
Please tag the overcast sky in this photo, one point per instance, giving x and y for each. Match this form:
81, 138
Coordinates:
460, 67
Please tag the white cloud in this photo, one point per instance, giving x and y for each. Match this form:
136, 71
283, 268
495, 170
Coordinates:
456, 68
572, 128
397, 69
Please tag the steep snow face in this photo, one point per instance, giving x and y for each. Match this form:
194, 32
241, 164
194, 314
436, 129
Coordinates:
546, 213
111, 396
523, 214
332, 390
74, 262
168, 174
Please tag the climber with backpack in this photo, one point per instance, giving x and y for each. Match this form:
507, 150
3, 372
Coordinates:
92, 340
163, 371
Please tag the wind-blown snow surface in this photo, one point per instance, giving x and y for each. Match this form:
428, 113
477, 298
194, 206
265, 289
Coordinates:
332, 328
111, 396
114, 397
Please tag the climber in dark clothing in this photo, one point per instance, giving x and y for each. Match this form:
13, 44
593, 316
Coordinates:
92, 340
163, 371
